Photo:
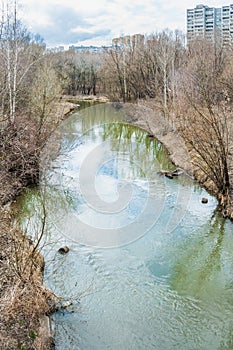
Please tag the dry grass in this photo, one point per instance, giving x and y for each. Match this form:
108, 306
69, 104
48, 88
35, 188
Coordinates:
24, 298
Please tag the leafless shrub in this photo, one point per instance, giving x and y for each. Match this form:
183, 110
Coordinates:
24, 298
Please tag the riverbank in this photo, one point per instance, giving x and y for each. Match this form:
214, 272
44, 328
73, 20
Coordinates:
159, 127
24, 298
25, 301
87, 98
145, 115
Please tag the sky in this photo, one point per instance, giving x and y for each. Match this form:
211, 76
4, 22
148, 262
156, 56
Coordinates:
97, 22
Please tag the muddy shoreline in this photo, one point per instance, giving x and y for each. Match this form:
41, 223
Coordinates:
163, 129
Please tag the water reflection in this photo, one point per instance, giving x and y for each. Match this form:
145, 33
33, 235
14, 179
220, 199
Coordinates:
106, 175
202, 266
166, 290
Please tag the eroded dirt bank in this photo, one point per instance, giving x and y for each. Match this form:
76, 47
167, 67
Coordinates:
165, 131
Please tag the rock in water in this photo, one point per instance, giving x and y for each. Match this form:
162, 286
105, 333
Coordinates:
63, 250
204, 200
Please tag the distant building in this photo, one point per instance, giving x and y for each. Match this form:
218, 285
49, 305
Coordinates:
129, 41
214, 24
86, 48
57, 49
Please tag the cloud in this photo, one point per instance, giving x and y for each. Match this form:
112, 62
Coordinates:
97, 22
62, 23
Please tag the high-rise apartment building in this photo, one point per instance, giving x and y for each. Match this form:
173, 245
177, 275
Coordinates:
214, 24
227, 25
130, 41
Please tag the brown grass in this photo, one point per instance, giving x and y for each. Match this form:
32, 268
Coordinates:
24, 298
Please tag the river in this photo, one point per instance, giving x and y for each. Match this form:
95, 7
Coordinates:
149, 266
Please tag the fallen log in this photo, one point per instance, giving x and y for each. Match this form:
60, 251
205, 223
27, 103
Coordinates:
171, 174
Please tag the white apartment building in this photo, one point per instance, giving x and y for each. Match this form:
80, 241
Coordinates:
214, 24
227, 25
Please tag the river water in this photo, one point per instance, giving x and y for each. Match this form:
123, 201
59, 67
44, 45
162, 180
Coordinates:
149, 266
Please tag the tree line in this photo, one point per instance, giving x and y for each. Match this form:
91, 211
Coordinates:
192, 86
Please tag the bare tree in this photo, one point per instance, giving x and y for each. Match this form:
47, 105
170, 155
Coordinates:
45, 92
205, 118
147, 69
19, 53
78, 72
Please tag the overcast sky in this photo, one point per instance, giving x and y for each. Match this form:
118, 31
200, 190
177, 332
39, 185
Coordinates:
96, 22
